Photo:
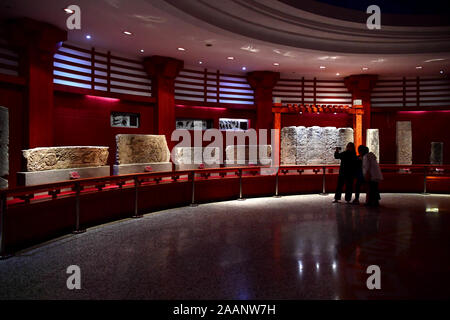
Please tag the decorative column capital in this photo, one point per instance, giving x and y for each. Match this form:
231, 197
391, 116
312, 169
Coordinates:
28, 34
165, 67
361, 85
263, 79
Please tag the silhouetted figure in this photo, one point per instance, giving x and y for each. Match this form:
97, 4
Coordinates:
346, 172
359, 176
372, 175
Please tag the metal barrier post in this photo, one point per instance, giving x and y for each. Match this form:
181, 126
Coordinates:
276, 184
136, 199
425, 181
324, 192
193, 204
77, 209
3, 254
240, 185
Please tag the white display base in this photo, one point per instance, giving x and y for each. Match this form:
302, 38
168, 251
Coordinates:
140, 167
58, 175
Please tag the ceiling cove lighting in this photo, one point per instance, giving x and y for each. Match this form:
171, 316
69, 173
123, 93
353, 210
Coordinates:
128, 33
67, 10
200, 107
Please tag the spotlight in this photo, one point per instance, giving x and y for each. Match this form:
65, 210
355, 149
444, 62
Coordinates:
244, 68
128, 33
181, 49
67, 10
88, 36
230, 58
142, 50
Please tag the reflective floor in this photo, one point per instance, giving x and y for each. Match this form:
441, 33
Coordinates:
294, 247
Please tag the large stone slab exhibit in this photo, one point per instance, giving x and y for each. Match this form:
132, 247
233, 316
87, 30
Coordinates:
237, 155
51, 158
4, 143
189, 158
312, 145
373, 141
139, 148
437, 153
404, 142
52, 176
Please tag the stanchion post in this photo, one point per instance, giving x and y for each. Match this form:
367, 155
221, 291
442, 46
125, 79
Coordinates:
77, 209
193, 204
3, 207
136, 214
240, 185
276, 184
424, 180
324, 191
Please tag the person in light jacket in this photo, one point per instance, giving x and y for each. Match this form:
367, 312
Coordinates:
372, 175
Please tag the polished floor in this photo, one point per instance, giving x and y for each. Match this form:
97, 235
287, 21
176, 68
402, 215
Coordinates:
294, 247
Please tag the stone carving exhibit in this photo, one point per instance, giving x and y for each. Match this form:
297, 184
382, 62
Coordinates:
186, 158
40, 159
4, 142
248, 154
373, 141
404, 142
312, 145
437, 153
139, 148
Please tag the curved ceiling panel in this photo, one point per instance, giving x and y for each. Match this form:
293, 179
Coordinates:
278, 23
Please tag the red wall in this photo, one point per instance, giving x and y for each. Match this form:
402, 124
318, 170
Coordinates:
12, 97
83, 120
427, 127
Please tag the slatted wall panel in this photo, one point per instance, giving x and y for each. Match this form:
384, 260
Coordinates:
100, 71
205, 86
411, 92
9, 60
312, 91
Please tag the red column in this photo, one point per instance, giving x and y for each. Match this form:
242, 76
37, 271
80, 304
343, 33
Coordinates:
262, 83
36, 43
163, 71
360, 86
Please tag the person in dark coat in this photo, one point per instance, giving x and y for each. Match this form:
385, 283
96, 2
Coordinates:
359, 176
347, 172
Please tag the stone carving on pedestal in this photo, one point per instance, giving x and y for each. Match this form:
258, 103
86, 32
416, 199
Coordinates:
301, 157
140, 148
404, 142
187, 158
237, 155
373, 142
41, 159
289, 138
437, 153
4, 142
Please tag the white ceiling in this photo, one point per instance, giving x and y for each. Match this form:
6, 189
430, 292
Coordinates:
160, 28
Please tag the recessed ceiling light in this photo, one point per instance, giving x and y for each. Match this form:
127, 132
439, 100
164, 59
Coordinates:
244, 68
322, 67
128, 33
338, 74
230, 58
441, 72
200, 62
88, 36
419, 67
276, 64
335, 113
365, 68
181, 49
142, 50
67, 10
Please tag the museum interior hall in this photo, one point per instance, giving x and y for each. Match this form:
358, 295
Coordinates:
232, 149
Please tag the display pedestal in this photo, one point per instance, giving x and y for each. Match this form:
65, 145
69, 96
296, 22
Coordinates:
119, 169
58, 175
